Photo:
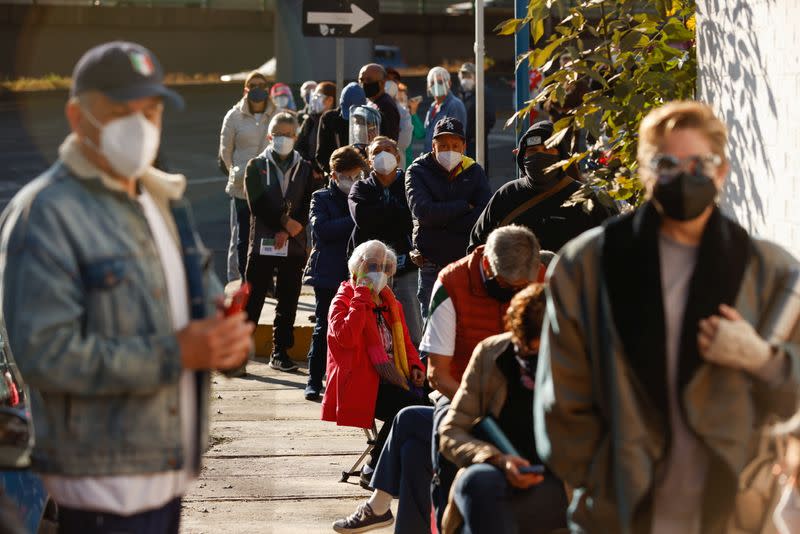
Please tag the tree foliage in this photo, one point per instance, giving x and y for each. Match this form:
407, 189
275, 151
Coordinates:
635, 54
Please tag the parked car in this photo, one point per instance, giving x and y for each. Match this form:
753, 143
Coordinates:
25, 506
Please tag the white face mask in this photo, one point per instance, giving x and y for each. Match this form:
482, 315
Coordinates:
787, 514
317, 103
439, 89
129, 144
384, 163
281, 101
390, 88
344, 185
379, 281
449, 160
283, 145
468, 84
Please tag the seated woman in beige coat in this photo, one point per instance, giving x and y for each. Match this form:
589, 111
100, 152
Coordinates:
491, 493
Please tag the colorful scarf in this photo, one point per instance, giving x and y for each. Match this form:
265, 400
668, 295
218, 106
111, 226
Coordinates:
376, 350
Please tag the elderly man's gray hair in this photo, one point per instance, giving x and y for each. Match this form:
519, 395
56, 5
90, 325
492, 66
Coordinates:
283, 117
513, 252
369, 250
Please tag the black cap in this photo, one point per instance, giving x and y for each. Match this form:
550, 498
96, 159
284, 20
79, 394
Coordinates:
449, 125
536, 135
122, 71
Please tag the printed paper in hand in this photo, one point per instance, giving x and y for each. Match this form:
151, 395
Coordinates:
268, 248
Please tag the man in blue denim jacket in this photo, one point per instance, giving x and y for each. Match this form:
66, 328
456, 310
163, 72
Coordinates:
111, 308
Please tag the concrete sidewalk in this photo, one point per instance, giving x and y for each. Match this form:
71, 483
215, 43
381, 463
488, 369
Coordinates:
274, 466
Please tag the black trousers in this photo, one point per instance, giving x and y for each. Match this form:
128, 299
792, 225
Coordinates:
259, 273
164, 520
391, 399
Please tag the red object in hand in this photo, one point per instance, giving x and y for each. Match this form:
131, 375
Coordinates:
13, 399
238, 300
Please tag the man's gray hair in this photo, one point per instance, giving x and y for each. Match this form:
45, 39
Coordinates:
366, 250
513, 253
283, 117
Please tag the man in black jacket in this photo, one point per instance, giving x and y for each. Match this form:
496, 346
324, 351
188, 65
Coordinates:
372, 79
536, 199
447, 192
380, 210
278, 183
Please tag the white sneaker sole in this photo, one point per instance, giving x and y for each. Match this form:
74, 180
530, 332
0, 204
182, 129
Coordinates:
364, 529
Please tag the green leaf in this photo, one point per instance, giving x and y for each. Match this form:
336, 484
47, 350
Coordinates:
543, 55
537, 31
632, 41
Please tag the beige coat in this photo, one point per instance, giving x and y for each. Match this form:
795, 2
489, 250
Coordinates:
483, 391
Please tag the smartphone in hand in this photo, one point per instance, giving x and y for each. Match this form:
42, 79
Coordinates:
531, 470
238, 300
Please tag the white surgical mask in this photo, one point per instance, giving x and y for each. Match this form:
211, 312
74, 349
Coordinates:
281, 101
344, 185
449, 160
390, 88
379, 281
439, 89
787, 514
129, 144
468, 84
283, 145
384, 163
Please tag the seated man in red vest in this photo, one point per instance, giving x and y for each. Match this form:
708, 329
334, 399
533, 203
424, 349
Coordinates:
469, 302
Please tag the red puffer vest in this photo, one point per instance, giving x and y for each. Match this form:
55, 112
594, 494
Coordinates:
478, 315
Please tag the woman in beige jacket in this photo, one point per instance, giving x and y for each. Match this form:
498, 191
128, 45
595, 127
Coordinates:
491, 492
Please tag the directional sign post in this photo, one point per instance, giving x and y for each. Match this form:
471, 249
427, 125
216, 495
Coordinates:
340, 18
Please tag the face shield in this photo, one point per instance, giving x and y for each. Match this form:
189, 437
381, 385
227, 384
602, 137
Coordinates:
365, 125
438, 82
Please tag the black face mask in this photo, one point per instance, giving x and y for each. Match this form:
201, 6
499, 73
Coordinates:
371, 89
685, 196
535, 166
498, 292
257, 95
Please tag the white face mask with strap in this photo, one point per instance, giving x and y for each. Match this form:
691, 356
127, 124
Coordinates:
129, 144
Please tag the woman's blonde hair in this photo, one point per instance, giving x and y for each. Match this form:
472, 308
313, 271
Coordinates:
680, 115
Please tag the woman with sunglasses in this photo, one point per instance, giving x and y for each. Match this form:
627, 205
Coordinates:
374, 370
653, 381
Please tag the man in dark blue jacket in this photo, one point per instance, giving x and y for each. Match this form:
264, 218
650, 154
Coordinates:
447, 191
380, 210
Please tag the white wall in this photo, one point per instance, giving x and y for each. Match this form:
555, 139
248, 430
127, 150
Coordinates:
749, 70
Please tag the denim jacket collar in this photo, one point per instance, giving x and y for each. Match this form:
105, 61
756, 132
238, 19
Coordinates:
161, 185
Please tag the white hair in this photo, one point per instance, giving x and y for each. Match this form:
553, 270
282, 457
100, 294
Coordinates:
283, 117
362, 251
513, 252
438, 72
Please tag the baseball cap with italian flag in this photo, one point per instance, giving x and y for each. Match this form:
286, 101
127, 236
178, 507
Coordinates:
122, 71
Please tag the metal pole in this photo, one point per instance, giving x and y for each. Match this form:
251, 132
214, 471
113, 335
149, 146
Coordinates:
479, 85
339, 66
521, 45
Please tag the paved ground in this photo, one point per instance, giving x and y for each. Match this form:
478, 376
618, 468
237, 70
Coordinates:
274, 466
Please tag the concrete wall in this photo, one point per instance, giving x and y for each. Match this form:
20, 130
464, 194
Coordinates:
750, 72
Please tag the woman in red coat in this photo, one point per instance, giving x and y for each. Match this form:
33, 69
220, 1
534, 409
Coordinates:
374, 370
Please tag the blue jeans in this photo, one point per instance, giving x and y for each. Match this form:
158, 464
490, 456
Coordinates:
427, 278
404, 468
318, 352
164, 520
405, 289
240, 239
490, 505
444, 471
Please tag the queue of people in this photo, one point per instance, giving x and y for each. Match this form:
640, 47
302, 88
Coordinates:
623, 388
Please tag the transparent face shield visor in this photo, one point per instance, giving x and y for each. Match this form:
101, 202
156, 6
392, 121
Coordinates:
438, 83
365, 125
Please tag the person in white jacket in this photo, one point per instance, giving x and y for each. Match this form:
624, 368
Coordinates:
243, 137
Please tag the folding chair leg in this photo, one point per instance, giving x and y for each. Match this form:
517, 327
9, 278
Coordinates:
372, 436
